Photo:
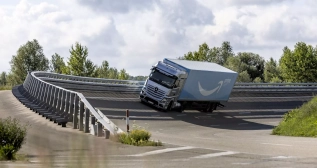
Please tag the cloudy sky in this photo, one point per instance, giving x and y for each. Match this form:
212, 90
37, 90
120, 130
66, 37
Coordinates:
134, 34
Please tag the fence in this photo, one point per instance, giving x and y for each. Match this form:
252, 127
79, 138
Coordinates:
61, 105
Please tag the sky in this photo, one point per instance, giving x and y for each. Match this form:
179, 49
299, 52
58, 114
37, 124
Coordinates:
135, 34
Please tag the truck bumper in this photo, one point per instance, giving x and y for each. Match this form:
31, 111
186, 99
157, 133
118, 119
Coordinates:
153, 102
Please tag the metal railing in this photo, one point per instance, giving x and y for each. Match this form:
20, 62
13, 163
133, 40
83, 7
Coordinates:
77, 83
70, 105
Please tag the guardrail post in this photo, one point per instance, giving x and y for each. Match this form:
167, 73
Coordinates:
58, 97
48, 97
45, 94
52, 99
127, 121
67, 104
75, 115
87, 114
81, 116
71, 109
63, 102
99, 129
93, 120
39, 90
107, 134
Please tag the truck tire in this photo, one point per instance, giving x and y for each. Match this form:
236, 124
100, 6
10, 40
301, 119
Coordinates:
210, 108
169, 107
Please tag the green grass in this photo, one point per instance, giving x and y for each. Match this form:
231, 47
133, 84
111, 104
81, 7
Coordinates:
5, 87
137, 137
299, 122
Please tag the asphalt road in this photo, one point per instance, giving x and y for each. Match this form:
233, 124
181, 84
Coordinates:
240, 130
231, 137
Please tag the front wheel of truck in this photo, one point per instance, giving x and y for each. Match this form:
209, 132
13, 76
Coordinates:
169, 107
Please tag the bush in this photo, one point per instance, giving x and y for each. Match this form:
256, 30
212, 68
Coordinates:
5, 87
137, 137
299, 122
12, 136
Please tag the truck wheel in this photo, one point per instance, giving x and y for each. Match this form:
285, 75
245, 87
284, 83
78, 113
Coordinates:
210, 107
180, 109
169, 107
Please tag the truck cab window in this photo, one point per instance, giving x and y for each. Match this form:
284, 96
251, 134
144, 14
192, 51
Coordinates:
162, 79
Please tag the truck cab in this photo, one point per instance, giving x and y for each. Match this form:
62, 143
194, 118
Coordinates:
162, 87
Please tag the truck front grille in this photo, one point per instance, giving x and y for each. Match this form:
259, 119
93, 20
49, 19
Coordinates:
155, 92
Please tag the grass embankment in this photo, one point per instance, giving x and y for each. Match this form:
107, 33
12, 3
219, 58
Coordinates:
299, 122
138, 137
5, 87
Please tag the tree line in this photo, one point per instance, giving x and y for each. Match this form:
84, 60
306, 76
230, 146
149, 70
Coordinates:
30, 57
298, 65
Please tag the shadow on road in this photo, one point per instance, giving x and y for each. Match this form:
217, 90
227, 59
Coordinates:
235, 116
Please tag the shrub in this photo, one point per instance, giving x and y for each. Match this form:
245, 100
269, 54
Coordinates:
12, 136
138, 137
5, 87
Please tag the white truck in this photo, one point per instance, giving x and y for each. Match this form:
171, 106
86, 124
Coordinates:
182, 84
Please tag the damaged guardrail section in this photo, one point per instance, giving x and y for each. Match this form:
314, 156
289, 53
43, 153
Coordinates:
61, 106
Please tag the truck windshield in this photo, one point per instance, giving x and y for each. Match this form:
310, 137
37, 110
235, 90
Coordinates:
162, 79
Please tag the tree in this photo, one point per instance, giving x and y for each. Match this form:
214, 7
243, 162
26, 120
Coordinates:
235, 64
30, 57
257, 80
244, 77
57, 64
299, 65
123, 75
276, 80
78, 64
255, 64
201, 55
113, 73
3, 78
271, 70
10, 79
90, 69
221, 54
217, 55
102, 71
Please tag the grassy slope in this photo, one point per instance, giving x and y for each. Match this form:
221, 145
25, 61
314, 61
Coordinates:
5, 87
299, 122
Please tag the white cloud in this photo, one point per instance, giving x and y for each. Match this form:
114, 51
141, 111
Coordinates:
136, 35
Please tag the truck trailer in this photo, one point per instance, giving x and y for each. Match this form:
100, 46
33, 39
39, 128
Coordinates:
175, 84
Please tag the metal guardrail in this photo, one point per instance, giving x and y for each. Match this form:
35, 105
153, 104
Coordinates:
79, 111
141, 83
77, 83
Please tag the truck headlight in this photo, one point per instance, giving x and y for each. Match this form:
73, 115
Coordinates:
163, 100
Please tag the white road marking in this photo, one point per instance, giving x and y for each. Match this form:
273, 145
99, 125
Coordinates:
213, 114
241, 163
228, 117
271, 97
162, 151
215, 155
244, 112
243, 123
275, 144
155, 115
282, 157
